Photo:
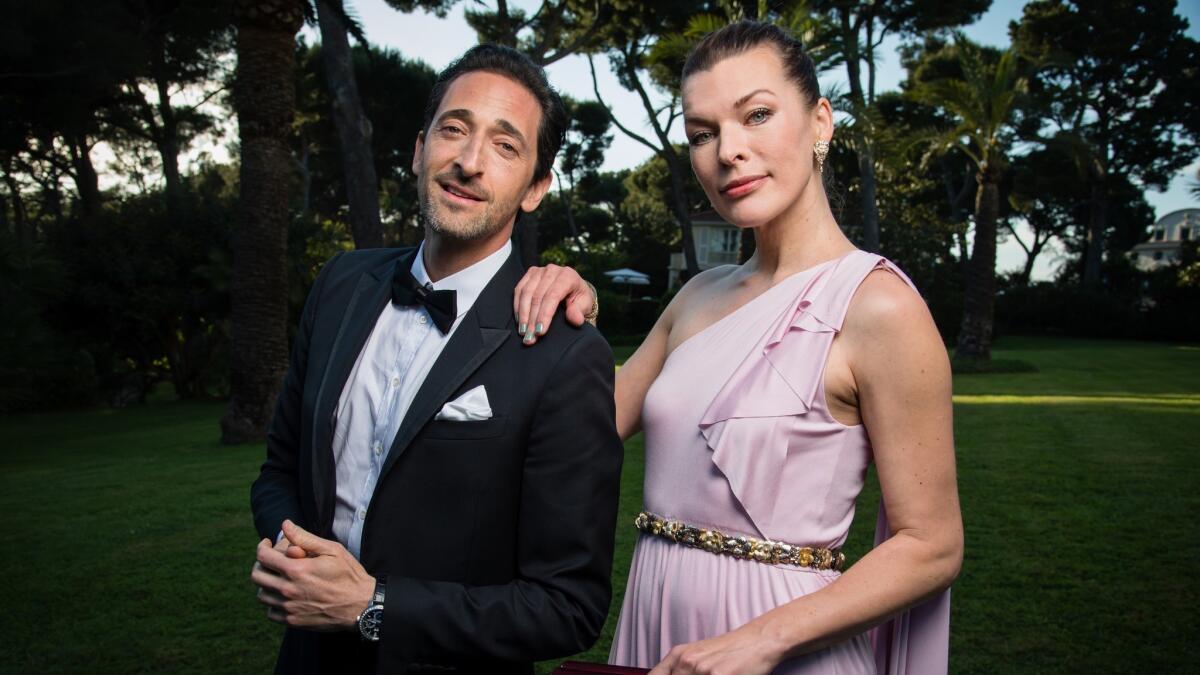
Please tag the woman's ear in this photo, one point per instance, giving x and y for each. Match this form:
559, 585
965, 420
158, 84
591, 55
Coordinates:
823, 119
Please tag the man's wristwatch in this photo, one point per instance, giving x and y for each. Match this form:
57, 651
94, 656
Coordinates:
372, 617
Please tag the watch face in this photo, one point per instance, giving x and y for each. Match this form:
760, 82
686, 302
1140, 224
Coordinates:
369, 622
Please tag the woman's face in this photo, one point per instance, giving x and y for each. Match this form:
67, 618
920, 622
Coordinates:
751, 136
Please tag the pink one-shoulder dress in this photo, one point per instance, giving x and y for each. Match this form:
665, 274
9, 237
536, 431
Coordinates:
739, 438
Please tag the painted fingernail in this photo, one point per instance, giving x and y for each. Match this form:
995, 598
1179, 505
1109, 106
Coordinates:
539, 329
529, 338
521, 329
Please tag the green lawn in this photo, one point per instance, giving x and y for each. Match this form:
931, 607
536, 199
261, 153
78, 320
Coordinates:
129, 540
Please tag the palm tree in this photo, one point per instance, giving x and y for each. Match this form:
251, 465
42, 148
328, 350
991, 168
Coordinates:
265, 101
983, 101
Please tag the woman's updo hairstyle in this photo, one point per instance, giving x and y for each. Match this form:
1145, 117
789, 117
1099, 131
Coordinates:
742, 36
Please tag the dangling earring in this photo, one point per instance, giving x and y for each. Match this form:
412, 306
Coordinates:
821, 151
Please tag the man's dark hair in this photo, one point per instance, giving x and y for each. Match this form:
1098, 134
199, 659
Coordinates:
516, 66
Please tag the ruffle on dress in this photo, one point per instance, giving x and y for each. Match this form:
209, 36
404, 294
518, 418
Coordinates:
773, 384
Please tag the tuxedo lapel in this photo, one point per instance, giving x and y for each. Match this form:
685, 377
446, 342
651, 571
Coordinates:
483, 329
370, 296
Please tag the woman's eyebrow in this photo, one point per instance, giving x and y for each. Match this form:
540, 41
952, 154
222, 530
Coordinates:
747, 97
695, 119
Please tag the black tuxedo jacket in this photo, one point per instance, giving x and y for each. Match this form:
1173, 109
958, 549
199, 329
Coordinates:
496, 536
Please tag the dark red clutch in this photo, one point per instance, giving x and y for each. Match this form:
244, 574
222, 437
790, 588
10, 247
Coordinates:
572, 667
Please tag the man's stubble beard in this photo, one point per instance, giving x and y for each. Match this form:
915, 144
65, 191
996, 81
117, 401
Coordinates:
466, 228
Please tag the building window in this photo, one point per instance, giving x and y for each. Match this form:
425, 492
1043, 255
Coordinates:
1185, 233
1158, 255
1158, 234
729, 241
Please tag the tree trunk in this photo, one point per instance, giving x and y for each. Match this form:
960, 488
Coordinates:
866, 156
1097, 228
265, 100
870, 210
679, 206
353, 128
979, 297
22, 229
168, 135
570, 209
87, 182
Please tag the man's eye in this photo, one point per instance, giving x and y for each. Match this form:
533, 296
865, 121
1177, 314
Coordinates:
508, 147
451, 129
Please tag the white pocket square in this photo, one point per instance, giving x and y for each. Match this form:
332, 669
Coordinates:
470, 407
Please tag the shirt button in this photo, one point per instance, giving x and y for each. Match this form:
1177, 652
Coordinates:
377, 447
395, 381
362, 514
421, 318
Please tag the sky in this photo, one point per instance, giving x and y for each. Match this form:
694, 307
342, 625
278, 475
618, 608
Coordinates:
439, 41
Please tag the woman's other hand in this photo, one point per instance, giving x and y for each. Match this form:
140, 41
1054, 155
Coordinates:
745, 651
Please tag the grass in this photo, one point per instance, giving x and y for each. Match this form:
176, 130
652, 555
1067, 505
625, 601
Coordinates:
129, 537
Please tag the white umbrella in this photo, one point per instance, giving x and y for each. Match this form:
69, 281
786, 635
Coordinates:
628, 276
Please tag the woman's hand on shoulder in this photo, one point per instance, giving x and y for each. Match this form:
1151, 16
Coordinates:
541, 291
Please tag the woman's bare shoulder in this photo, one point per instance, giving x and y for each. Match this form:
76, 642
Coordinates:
699, 289
886, 307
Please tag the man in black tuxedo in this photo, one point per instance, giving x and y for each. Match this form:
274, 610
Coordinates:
436, 496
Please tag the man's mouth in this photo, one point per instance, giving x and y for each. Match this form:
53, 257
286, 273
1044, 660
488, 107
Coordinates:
459, 192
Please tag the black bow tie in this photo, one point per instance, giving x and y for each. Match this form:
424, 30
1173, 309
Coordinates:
441, 305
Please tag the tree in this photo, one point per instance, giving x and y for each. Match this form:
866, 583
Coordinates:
983, 103
631, 41
182, 45
1050, 194
353, 126
1116, 74
389, 84
581, 155
857, 30
264, 97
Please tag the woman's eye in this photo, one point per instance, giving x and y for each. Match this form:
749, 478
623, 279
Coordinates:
758, 116
700, 137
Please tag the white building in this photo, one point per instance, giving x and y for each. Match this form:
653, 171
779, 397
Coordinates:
717, 243
1166, 239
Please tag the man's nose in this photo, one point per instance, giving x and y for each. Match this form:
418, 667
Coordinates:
470, 158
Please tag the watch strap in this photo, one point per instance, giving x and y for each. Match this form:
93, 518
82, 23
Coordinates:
380, 590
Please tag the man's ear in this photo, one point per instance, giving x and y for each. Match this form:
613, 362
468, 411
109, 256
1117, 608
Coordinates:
420, 145
535, 192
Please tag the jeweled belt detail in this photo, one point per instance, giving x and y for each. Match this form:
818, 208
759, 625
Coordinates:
745, 548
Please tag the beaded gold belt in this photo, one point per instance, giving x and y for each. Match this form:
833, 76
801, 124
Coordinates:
746, 548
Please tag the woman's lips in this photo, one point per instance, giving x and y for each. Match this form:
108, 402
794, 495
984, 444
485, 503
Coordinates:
743, 186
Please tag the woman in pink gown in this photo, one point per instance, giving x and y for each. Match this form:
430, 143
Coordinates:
764, 391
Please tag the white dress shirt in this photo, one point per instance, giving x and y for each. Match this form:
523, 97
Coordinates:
390, 369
